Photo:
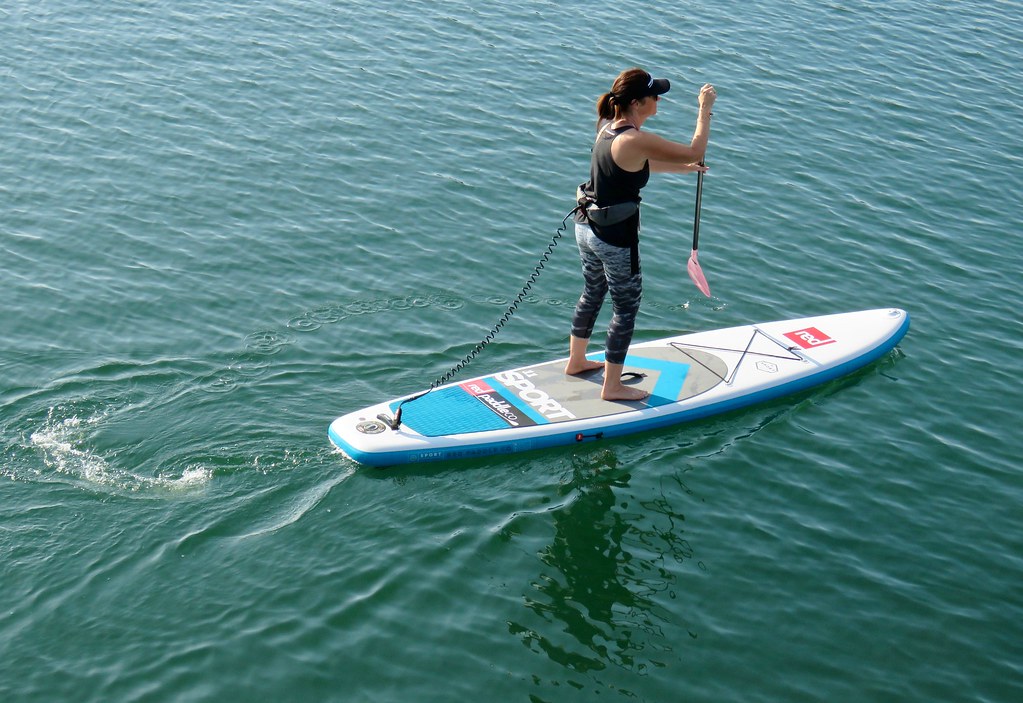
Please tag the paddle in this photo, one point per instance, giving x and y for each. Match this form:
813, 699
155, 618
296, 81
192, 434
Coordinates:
695, 272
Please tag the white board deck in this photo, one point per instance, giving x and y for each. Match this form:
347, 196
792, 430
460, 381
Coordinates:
689, 376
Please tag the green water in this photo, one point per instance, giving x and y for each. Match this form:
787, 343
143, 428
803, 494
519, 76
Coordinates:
224, 224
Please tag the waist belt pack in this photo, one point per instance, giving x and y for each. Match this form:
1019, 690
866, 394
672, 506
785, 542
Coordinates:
612, 214
605, 216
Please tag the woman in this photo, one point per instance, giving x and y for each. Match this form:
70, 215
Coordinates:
607, 224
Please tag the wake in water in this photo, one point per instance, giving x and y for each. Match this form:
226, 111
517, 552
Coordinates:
62, 443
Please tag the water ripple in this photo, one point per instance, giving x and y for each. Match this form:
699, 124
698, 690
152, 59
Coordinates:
226, 223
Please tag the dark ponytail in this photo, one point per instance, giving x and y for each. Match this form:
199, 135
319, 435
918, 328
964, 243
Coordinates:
607, 108
629, 84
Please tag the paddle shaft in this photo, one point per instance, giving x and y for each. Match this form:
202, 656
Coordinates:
696, 218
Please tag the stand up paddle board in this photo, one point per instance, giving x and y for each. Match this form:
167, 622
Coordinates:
689, 376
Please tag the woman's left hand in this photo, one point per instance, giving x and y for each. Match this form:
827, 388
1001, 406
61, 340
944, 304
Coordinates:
667, 167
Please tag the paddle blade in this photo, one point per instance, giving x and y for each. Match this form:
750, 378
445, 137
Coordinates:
696, 273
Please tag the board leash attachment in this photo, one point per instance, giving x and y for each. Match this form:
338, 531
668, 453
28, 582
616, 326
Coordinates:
395, 422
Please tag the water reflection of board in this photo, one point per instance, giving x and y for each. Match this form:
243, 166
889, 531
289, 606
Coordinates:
688, 376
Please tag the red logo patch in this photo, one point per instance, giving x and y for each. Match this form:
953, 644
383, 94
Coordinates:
477, 387
809, 338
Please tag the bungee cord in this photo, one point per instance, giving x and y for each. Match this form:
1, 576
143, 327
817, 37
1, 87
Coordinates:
395, 422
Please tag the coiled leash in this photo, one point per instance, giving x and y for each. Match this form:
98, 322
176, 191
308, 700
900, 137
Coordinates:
395, 422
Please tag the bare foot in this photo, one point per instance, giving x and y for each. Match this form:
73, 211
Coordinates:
573, 369
625, 393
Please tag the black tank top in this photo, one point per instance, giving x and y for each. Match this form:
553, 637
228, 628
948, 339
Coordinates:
610, 184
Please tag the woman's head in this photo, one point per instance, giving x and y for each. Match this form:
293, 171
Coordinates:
631, 84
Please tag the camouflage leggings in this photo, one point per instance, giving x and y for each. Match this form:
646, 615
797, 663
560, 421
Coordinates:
607, 268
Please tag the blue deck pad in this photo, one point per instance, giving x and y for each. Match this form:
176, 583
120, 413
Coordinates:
447, 411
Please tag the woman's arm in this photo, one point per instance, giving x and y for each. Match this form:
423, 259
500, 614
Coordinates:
634, 148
